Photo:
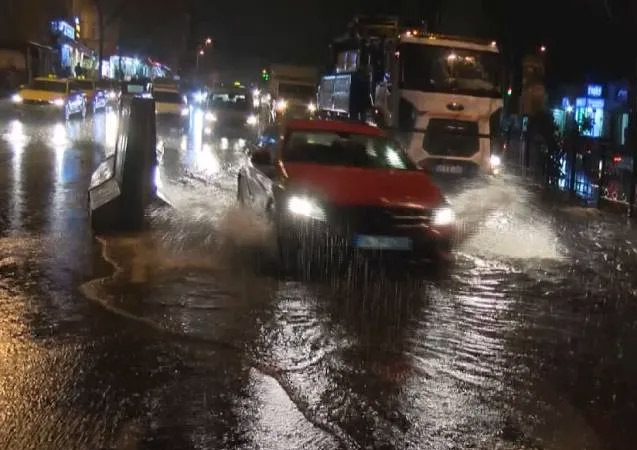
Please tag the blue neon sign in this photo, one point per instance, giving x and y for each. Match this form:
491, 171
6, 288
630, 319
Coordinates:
594, 90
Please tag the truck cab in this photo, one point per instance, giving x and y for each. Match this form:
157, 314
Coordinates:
441, 96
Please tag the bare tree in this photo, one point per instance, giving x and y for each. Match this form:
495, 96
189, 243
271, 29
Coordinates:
107, 12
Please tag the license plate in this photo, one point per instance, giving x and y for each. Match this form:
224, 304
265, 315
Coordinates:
446, 168
382, 242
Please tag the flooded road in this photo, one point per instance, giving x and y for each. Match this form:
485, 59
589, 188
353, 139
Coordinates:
187, 337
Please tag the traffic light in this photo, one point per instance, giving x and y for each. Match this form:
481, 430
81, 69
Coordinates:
509, 91
265, 75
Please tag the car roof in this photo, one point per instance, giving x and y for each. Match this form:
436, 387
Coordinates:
337, 126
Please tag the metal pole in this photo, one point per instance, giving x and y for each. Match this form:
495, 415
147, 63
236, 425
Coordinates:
601, 177
631, 142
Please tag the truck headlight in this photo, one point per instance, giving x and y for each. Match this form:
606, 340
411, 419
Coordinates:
184, 112
252, 120
16, 98
211, 117
59, 102
306, 207
281, 105
200, 97
444, 216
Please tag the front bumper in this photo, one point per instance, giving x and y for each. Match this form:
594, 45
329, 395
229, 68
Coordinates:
403, 234
39, 109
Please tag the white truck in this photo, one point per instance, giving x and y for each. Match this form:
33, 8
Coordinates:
293, 89
440, 95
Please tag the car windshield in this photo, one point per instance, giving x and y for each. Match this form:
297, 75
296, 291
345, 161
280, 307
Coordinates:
82, 85
46, 85
446, 69
229, 101
168, 97
345, 149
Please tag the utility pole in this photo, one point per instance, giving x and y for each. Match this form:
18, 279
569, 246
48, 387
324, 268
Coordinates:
100, 53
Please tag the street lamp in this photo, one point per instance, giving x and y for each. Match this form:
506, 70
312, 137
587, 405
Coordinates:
200, 52
208, 41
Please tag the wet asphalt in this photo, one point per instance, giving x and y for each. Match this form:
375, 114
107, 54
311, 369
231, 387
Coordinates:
186, 336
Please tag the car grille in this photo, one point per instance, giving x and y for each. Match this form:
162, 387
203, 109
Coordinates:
377, 219
36, 102
448, 137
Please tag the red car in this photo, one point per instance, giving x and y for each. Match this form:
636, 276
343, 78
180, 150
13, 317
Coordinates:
331, 185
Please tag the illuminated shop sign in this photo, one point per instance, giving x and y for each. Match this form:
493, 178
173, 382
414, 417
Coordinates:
594, 90
63, 28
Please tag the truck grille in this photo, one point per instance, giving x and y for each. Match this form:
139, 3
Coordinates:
231, 122
448, 137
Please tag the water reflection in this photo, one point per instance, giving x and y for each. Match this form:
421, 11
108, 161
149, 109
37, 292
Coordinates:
16, 136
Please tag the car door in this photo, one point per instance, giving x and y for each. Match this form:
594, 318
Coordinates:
260, 172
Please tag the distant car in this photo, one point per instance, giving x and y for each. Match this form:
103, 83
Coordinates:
232, 114
95, 96
331, 181
111, 89
50, 96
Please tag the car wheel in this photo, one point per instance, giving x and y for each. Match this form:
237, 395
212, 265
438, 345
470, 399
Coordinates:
67, 113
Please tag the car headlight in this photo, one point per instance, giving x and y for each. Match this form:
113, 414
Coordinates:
112, 95
495, 161
59, 102
306, 207
311, 107
252, 120
211, 117
16, 98
281, 105
444, 216
184, 112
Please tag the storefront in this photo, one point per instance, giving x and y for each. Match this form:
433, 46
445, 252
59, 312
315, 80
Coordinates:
600, 111
126, 68
72, 53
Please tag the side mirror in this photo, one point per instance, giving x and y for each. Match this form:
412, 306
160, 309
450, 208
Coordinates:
261, 158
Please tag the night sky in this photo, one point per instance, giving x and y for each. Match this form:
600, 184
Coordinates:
594, 38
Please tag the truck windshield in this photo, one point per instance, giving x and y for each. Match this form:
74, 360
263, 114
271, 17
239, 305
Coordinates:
345, 149
300, 91
230, 101
168, 97
445, 69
